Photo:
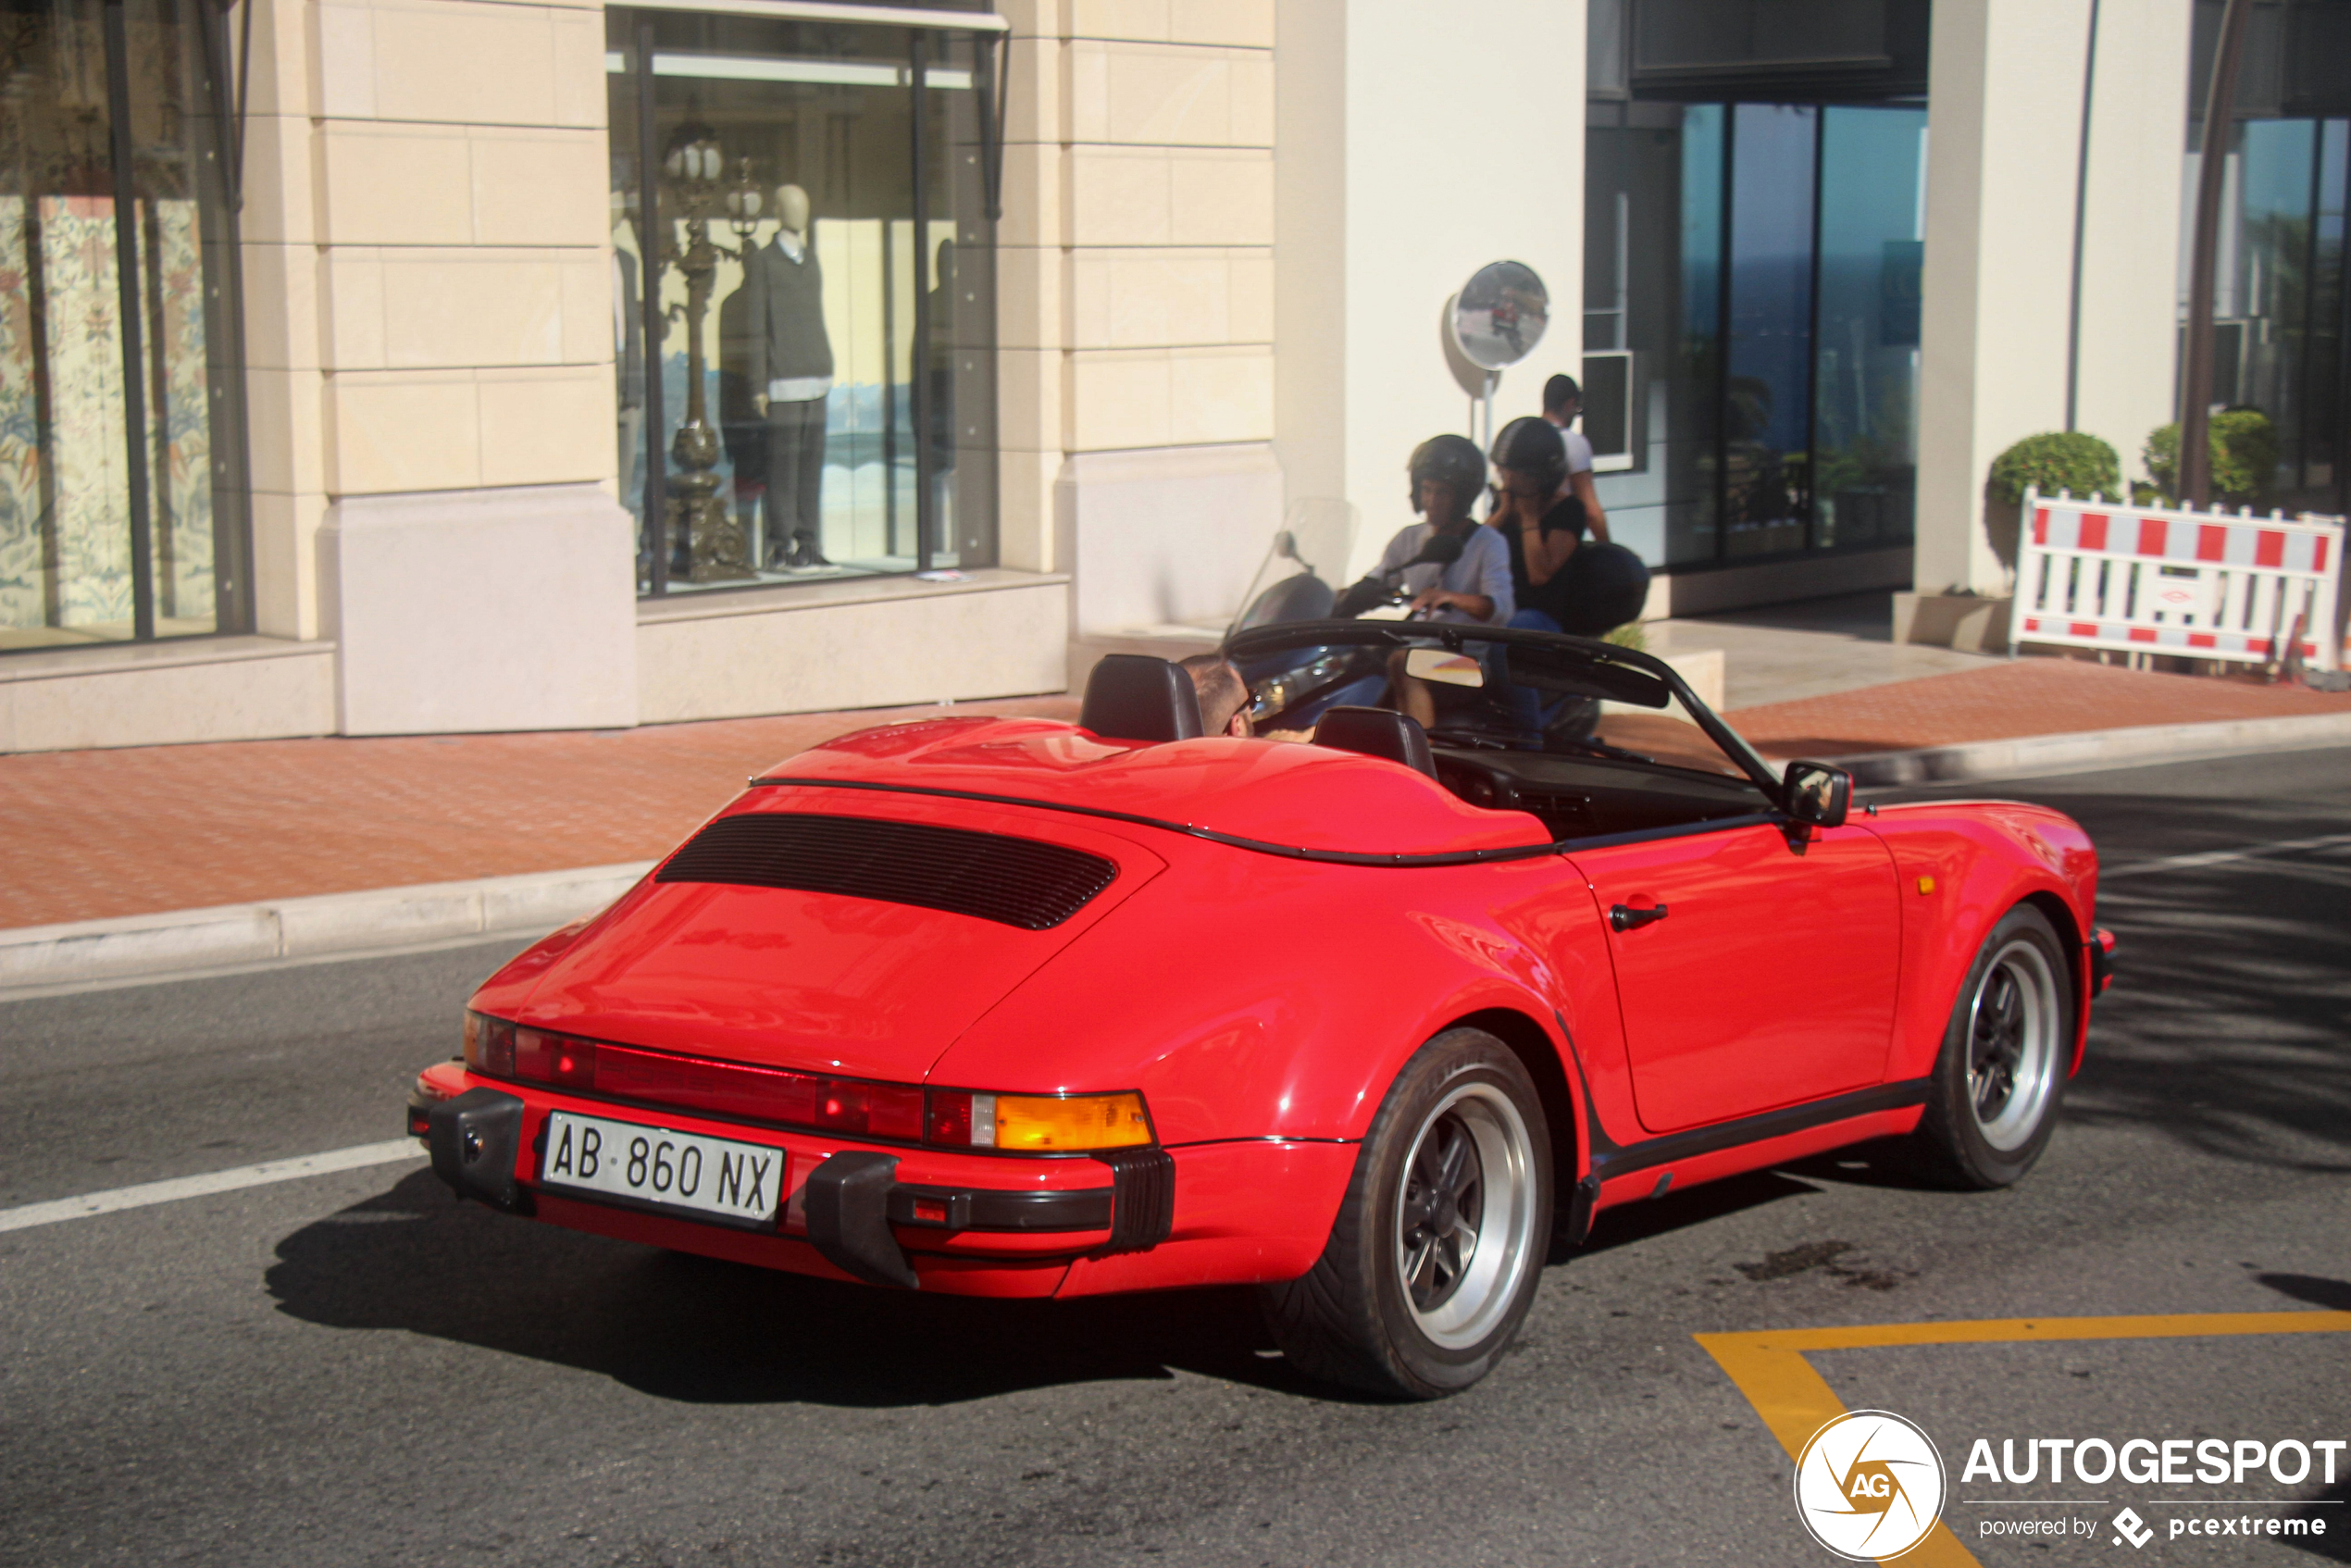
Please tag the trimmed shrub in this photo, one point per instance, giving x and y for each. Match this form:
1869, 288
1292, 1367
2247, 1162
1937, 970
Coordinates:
2245, 456
2057, 460
1629, 635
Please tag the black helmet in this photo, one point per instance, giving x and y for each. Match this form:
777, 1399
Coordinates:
1532, 446
1450, 460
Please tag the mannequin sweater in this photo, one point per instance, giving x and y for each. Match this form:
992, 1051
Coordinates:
787, 318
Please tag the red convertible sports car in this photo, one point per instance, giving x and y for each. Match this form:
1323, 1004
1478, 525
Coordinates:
1015, 1007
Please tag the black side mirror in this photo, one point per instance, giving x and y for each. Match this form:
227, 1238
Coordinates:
1817, 794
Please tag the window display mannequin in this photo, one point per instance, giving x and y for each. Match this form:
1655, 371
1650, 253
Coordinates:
791, 370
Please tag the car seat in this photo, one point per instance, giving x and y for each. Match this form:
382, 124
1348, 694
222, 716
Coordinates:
1378, 732
1136, 697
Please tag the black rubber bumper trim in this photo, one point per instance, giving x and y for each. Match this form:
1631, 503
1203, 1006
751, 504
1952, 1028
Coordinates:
474, 1141
1143, 1198
2101, 945
847, 1201
981, 1209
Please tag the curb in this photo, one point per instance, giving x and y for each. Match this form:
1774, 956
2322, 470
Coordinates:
194, 941
2028, 756
186, 941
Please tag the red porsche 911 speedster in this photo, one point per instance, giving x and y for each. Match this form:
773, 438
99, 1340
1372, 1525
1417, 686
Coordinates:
1016, 1007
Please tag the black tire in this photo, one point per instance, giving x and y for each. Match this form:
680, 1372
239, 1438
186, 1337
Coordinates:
2001, 1078
1396, 1306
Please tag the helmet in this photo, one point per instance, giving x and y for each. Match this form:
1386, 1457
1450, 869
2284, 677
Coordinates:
1532, 446
1450, 460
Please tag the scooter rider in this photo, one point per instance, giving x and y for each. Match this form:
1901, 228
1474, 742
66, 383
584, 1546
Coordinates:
1448, 473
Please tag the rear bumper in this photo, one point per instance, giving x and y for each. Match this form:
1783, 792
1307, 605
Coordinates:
927, 1219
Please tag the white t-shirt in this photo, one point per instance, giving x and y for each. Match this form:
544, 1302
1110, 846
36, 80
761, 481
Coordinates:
1579, 458
1579, 452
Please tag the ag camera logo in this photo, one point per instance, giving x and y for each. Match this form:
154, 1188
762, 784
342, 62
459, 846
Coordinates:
1869, 1485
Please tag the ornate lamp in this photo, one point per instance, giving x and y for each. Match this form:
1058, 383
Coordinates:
716, 551
744, 201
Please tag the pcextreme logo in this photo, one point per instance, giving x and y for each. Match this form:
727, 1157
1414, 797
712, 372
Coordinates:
1869, 1485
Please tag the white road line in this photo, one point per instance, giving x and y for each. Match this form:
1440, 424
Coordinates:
2218, 858
212, 1181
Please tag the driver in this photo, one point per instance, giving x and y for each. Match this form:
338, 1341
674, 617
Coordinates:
1223, 695
1447, 474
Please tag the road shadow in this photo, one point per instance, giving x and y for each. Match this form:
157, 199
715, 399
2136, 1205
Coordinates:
2333, 1294
2333, 1506
701, 1331
1698, 1205
2224, 1029
1888, 1163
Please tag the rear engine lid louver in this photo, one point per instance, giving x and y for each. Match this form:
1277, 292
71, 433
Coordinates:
1013, 881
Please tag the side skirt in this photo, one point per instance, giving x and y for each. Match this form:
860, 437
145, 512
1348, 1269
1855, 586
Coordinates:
1611, 1160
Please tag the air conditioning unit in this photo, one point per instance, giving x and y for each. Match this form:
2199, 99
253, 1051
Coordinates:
1609, 410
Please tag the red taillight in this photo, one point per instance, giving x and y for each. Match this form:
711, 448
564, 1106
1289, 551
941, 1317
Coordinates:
559, 1060
898, 1112
874, 1110
949, 1119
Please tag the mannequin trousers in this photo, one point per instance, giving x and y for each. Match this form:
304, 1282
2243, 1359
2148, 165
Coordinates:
795, 470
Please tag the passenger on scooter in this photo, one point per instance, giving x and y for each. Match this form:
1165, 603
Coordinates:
1539, 525
1447, 472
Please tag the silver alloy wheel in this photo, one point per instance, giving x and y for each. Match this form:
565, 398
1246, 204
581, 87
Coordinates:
2013, 1048
1465, 1218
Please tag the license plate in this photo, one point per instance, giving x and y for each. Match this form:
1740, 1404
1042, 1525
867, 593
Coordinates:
711, 1178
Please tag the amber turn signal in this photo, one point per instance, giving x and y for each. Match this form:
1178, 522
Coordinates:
1036, 1124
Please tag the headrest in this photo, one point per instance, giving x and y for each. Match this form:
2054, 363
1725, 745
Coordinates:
1376, 732
1136, 697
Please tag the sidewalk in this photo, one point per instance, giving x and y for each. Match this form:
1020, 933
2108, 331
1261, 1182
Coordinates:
92, 835
98, 834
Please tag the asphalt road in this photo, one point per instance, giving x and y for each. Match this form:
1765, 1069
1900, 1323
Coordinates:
354, 1369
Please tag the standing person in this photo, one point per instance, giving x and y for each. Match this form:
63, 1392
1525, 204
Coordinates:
1562, 401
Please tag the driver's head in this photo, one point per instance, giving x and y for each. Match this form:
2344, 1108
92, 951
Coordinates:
1447, 472
1223, 695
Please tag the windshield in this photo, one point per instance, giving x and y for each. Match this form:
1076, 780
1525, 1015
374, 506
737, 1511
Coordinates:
1492, 690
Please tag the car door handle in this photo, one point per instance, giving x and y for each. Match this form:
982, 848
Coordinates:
1624, 917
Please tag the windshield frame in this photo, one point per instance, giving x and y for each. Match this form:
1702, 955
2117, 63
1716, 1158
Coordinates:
1601, 658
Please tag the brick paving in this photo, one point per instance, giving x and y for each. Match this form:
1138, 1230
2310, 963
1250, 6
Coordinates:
93, 834
2041, 696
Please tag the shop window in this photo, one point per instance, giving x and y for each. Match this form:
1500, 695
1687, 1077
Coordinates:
2278, 302
122, 482
1753, 268
1865, 389
804, 291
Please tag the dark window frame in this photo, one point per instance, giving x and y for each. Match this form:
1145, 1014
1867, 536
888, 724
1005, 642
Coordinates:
221, 201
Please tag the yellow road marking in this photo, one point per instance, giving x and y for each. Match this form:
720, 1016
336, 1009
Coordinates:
1796, 1401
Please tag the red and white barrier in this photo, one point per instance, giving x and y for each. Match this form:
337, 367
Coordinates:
2203, 585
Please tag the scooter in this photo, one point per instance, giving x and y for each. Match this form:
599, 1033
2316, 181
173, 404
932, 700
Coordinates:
1607, 586
1290, 691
